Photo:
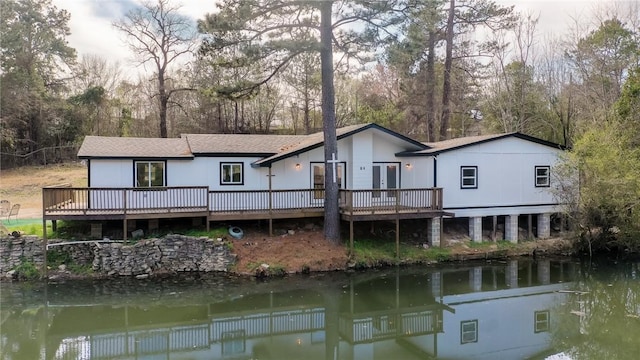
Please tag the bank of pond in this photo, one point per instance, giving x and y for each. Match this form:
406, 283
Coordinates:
511, 309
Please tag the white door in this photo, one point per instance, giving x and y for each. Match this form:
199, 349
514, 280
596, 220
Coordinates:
385, 177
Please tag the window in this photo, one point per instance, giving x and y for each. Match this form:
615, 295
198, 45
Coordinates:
231, 174
233, 342
149, 173
541, 321
543, 176
468, 177
318, 178
468, 331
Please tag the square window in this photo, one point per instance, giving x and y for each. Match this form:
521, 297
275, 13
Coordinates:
541, 321
231, 174
468, 331
543, 176
468, 177
149, 173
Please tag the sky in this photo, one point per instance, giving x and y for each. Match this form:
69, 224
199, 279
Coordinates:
92, 33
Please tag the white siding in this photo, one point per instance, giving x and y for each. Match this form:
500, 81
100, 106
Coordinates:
111, 173
361, 160
506, 181
419, 175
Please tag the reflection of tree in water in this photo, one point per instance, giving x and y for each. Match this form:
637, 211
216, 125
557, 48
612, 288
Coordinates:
22, 333
601, 319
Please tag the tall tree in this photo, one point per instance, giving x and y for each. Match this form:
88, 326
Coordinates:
462, 17
425, 66
33, 55
601, 60
273, 32
157, 33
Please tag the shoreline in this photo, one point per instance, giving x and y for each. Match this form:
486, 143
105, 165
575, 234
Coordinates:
259, 256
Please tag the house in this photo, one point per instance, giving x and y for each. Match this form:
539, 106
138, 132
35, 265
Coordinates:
382, 175
506, 175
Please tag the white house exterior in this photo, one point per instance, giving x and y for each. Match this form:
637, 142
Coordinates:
495, 175
475, 177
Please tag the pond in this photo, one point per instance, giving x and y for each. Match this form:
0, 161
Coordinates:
514, 309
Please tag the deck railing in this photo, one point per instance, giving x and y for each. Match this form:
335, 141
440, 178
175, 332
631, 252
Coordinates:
393, 200
81, 201
72, 200
265, 200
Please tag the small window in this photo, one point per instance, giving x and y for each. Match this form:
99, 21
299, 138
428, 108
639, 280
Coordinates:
541, 321
149, 173
468, 332
469, 177
231, 174
543, 176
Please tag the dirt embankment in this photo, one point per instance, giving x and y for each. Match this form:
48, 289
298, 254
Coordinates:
24, 185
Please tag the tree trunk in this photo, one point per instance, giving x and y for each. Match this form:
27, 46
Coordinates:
331, 214
446, 82
431, 64
163, 100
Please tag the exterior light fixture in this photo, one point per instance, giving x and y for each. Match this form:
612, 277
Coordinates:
298, 166
408, 165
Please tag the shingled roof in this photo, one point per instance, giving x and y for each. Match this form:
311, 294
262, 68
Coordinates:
453, 144
270, 147
129, 147
316, 140
241, 143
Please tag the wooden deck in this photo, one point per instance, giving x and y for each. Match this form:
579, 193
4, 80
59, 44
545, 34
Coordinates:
99, 204
68, 203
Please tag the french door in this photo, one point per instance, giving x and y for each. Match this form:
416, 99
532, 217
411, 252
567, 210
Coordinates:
386, 178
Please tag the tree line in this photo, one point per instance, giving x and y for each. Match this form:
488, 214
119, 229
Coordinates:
431, 69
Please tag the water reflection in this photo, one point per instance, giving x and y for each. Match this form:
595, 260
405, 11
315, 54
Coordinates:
508, 311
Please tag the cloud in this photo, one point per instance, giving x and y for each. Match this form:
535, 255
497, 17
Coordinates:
93, 34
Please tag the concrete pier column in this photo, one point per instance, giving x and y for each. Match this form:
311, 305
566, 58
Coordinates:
433, 231
511, 228
544, 226
512, 274
544, 272
475, 279
436, 284
475, 228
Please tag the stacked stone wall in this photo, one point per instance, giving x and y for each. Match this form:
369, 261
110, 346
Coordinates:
170, 254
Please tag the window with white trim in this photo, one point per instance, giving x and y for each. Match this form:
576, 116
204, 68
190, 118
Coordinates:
231, 173
543, 176
149, 173
541, 321
468, 331
468, 177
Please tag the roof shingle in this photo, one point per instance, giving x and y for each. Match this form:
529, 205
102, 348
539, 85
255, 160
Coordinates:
129, 147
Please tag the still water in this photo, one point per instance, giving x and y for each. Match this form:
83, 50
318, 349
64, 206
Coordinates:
500, 310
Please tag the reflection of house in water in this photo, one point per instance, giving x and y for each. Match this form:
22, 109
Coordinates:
503, 311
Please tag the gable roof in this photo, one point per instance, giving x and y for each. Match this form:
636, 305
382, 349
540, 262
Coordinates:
316, 140
270, 148
129, 147
436, 148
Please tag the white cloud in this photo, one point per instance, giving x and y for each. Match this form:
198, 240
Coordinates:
93, 34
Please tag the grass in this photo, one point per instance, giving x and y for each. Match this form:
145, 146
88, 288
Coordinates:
371, 252
27, 270
27, 227
274, 269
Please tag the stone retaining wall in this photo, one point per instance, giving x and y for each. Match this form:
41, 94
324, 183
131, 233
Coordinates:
173, 253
